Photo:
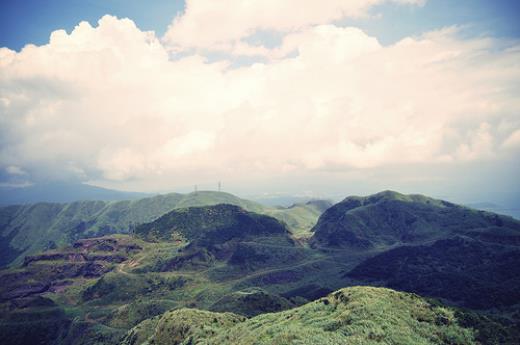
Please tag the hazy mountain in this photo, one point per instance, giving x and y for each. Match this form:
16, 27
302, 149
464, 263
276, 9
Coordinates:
60, 192
512, 209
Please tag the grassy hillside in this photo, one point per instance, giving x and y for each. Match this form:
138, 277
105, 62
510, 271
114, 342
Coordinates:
217, 224
428, 246
301, 217
469, 272
390, 218
358, 315
28, 229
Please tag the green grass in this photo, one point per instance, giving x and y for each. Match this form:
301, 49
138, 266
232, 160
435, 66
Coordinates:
358, 315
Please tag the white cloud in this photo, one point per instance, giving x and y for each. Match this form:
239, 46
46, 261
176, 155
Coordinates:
221, 25
106, 103
14, 170
513, 141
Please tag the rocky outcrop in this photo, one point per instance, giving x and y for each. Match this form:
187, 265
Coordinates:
56, 270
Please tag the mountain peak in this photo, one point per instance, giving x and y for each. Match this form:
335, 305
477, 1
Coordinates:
206, 221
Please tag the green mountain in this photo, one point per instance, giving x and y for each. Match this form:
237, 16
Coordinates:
29, 229
390, 219
358, 315
431, 247
219, 232
300, 217
194, 274
211, 224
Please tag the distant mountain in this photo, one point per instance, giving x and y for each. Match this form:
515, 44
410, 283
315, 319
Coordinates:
301, 217
61, 193
28, 229
277, 200
512, 210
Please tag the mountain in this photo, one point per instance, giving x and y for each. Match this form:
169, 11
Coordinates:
219, 232
389, 219
428, 246
301, 217
210, 225
358, 315
28, 229
511, 209
61, 192
194, 273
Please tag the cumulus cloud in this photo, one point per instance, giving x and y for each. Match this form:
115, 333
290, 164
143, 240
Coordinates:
108, 102
224, 24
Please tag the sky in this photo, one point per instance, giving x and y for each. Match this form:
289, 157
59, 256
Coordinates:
323, 98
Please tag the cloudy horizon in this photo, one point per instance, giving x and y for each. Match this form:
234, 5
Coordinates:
295, 97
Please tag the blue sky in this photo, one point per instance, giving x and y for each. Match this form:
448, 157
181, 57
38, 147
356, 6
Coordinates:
31, 21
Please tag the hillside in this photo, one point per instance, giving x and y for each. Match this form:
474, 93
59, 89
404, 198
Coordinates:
358, 315
389, 218
428, 246
28, 229
216, 232
301, 217
465, 271
218, 224
226, 259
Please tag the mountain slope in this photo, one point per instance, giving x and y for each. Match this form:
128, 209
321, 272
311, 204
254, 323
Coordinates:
213, 224
389, 219
219, 232
358, 315
28, 229
465, 271
428, 246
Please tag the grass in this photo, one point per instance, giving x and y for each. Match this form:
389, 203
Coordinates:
358, 315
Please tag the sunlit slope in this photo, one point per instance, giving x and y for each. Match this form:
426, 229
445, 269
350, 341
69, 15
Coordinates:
357, 315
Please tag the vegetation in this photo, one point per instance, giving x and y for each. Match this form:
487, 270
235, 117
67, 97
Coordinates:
358, 315
29, 229
473, 273
193, 263
389, 219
